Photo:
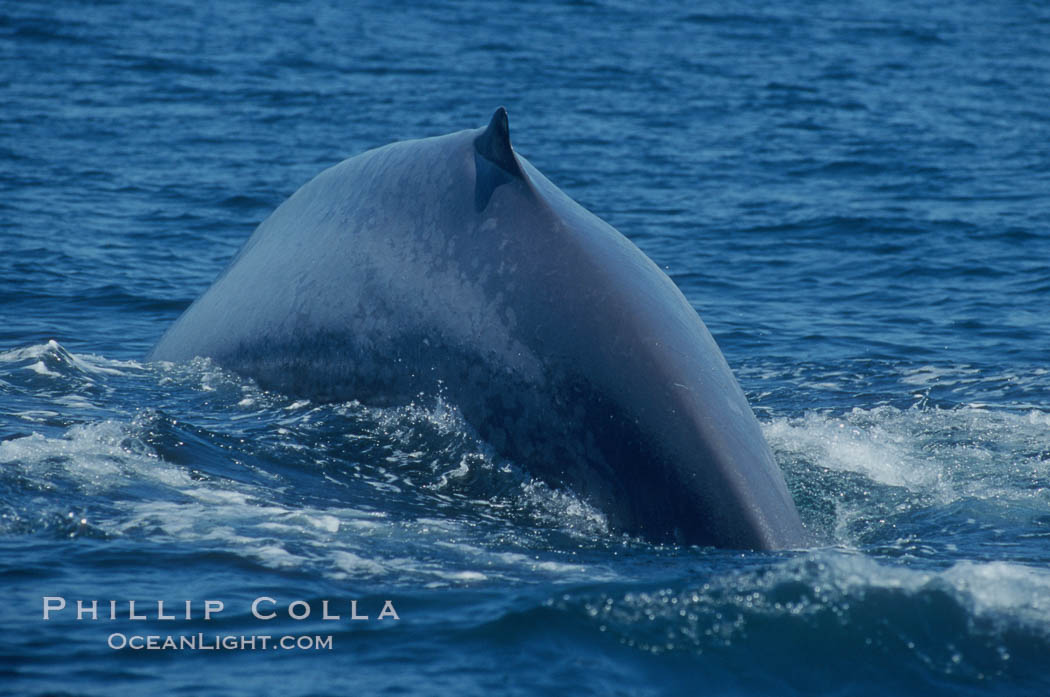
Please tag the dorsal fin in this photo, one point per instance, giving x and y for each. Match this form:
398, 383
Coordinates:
494, 144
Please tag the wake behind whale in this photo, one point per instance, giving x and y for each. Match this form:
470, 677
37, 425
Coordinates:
451, 265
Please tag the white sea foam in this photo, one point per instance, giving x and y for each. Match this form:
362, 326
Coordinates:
55, 354
964, 452
95, 457
941, 376
36, 415
565, 509
110, 460
937, 457
40, 369
856, 444
355, 565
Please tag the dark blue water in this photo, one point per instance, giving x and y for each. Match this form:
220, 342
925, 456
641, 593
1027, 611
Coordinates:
855, 197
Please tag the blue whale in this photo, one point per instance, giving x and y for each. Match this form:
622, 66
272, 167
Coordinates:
450, 265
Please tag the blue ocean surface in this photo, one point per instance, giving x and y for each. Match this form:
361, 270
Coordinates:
854, 196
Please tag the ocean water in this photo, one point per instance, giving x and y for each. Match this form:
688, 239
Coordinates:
854, 196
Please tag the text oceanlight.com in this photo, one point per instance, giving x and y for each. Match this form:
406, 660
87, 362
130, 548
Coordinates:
218, 642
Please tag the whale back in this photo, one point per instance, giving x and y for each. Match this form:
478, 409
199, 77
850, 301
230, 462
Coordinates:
452, 265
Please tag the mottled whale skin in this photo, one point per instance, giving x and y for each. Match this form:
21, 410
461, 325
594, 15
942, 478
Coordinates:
451, 265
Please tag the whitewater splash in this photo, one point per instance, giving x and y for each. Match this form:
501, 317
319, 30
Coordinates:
856, 474
931, 522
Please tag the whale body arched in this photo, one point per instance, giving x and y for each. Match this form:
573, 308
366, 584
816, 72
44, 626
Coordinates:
451, 265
